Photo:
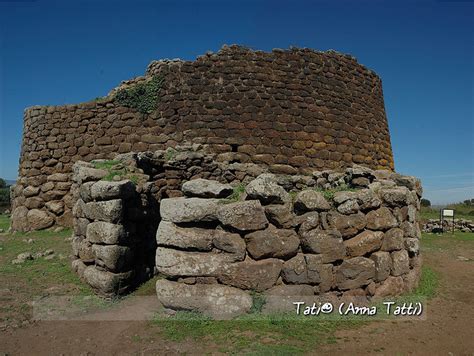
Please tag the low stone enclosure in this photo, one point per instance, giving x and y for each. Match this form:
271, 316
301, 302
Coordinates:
434, 225
218, 233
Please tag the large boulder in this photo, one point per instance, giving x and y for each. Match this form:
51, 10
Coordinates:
308, 269
281, 215
265, 189
169, 234
84, 172
115, 258
205, 188
39, 219
176, 263
281, 298
310, 200
181, 210
381, 219
218, 301
55, 206
243, 216
230, 243
400, 262
249, 274
272, 242
307, 222
390, 287
355, 272
108, 283
109, 211
383, 265
365, 242
104, 190
101, 232
393, 240
328, 243
349, 207
397, 196
19, 221
412, 245
347, 225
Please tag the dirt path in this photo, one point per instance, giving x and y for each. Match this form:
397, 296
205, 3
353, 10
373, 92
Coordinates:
448, 329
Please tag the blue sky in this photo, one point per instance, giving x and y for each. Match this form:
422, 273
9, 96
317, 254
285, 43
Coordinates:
57, 52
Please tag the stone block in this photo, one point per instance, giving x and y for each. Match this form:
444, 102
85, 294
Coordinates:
108, 211
218, 301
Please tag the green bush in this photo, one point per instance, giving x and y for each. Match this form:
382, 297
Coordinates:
4, 196
425, 202
141, 96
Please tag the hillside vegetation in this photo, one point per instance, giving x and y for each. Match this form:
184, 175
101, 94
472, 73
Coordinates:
463, 210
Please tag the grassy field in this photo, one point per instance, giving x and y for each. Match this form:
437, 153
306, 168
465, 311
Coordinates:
4, 222
252, 334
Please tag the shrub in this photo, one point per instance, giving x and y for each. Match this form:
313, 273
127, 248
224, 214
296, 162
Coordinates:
141, 96
425, 202
4, 196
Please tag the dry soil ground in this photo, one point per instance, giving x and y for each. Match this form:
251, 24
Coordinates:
447, 330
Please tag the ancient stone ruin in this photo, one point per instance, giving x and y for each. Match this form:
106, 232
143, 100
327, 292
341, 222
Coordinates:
293, 111
349, 233
241, 172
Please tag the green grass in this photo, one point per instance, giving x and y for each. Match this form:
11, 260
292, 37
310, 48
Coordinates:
446, 240
106, 165
329, 193
115, 169
170, 153
235, 195
4, 222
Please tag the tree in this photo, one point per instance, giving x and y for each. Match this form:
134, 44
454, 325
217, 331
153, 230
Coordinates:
3, 184
425, 202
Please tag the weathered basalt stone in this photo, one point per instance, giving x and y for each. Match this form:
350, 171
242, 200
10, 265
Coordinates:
205, 188
393, 240
39, 219
181, 210
392, 286
383, 265
272, 242
218, 301
328, 243
400, 262
265, 189
243, 216
310, 200
104, 190
354, 273
347, 225
249, 274
365, 242
107, 283
381, 219
101, 232
176, 263
109, 211
281, 215
115, 258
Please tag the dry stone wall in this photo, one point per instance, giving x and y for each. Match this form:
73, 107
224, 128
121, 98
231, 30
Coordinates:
290, 111
362, 241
